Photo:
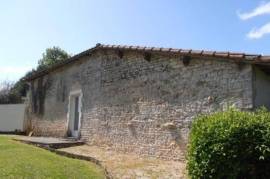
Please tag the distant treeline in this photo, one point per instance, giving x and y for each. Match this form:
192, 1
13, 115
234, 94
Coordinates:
12, 93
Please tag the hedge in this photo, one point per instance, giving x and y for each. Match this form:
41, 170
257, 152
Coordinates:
230, 144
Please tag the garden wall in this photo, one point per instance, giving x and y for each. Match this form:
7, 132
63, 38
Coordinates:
11, 117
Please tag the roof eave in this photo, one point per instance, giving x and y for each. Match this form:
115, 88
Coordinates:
237, 57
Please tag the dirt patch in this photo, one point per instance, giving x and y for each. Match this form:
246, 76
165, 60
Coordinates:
128, 166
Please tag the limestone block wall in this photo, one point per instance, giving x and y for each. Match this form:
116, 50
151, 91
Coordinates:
142, 106
261, 88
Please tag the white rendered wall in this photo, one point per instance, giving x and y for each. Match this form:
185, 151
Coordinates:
11, 117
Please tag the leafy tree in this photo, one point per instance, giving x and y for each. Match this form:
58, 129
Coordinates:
19, 89
7, 95
51, 57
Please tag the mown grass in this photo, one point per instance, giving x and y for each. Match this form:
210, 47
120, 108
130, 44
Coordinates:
18, 160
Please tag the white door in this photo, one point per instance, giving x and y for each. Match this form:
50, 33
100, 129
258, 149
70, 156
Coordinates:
74, 115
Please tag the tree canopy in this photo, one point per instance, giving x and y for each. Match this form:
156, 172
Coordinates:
8, 94
52, 56
12, 92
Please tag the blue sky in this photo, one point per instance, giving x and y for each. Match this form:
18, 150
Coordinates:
29, 27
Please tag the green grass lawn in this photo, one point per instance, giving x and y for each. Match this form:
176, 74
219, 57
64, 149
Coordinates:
18, 160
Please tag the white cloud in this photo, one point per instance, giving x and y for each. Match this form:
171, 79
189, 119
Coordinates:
257, 33
262, 9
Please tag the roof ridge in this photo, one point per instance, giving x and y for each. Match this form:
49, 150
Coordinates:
173, 49
237, 56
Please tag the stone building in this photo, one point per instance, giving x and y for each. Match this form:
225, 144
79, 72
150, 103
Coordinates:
142, 100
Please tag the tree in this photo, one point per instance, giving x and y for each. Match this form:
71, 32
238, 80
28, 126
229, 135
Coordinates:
7, 94
21, 87
52, 56
13, 92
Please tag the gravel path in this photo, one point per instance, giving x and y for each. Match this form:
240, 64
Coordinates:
127, 166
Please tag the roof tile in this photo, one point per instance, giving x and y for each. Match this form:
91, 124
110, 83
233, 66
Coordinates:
253, 58
222, 54
141, 48
174, 50
208, 53
264, 59
185, 51
165, 49
156, 49
148, 48
197, 52
236, 55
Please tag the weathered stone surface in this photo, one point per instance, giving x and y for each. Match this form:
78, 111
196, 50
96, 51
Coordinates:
127, 101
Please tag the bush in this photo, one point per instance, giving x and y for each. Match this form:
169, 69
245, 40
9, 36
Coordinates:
231, 144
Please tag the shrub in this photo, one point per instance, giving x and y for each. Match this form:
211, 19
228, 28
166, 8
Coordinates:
231, 144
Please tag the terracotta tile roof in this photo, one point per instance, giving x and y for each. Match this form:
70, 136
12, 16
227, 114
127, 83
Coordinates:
229, 55
239, 57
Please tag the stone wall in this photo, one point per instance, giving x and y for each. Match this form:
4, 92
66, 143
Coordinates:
261, 88
142, 106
